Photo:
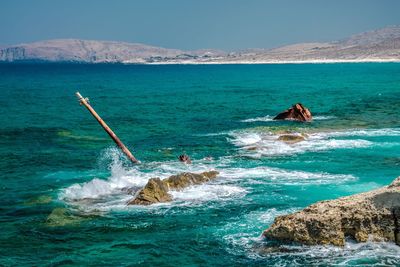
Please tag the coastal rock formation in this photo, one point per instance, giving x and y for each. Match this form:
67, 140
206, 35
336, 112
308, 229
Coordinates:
180, 181
297, 112
156, 190
374, 215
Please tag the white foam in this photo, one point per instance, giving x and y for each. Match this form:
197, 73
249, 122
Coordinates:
287, 177
257, 144
265, 118
320, 118
365, 132
105, 194
208, 192
269, 118
358, 254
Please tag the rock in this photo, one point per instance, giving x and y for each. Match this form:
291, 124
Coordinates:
61, 217
291, 138
156, 190
185, 159
374, 215
297, 112
186, 179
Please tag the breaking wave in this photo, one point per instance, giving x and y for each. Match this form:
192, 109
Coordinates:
265, 118
257, 143
115, 191
352, 254
286, 177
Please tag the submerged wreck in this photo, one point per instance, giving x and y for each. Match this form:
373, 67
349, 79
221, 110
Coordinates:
297, 112
156, 190
374, 216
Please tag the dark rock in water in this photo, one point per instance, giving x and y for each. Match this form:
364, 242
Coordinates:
374, 215
297, 112
291, 138
156, 190
185, 159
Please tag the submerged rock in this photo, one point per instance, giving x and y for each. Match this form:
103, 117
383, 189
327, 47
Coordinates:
156, 190
291, 138
40, 200
374, 215
297, 112
61, 217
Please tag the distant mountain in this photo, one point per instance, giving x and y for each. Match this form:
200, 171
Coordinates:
377, 45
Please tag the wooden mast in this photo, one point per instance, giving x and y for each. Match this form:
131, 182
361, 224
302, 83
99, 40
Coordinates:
84, 101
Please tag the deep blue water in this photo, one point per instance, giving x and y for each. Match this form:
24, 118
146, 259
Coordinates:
61, 183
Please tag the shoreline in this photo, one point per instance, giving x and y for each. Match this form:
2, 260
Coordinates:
394, 60
266, 62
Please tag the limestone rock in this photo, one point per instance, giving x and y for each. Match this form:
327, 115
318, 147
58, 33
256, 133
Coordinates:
297, 112
156, 190
374, 215
186, 179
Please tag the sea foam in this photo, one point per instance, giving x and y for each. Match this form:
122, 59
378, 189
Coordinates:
256, 143
269, 118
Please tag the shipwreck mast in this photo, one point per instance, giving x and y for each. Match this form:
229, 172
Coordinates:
114, 137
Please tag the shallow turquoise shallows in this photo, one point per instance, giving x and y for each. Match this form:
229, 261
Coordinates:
63, 182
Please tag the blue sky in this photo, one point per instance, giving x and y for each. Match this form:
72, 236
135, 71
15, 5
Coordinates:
190, 24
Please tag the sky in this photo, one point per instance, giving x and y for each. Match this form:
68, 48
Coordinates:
194, 24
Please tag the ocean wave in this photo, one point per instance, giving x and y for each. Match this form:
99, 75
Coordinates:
265, 118
268, 118
256, 143
112, 193
286, 177
104, 195
260, 144
352, 254
364, 132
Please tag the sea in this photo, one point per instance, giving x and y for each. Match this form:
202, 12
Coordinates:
65, 185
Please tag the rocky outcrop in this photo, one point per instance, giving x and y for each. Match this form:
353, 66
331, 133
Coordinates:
373, 215
297, 112
156, 190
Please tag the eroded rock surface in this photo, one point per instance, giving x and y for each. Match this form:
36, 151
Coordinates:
297, 112
156, 190
374, 215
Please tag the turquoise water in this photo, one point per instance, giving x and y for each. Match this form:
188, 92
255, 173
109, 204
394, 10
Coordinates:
62, 183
